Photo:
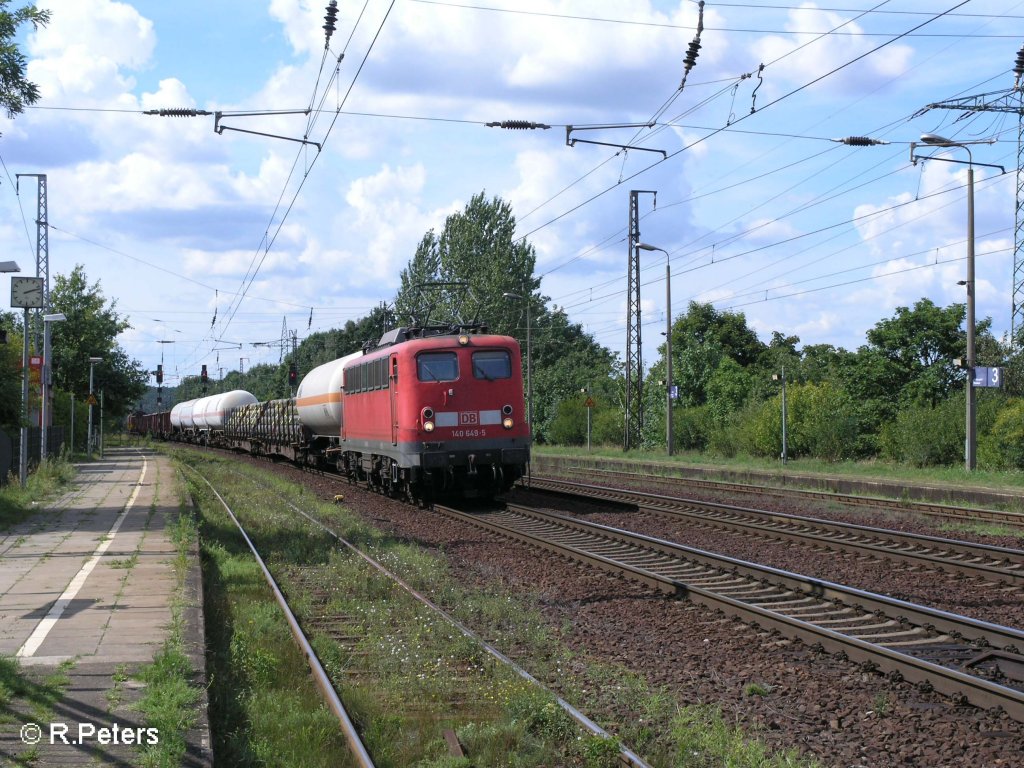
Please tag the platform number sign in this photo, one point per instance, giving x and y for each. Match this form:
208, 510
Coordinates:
985, 376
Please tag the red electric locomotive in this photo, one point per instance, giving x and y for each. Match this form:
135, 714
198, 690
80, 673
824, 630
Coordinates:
432, 412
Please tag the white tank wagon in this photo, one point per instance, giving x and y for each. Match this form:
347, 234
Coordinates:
216, 408
181, 416
199, 411
318, 399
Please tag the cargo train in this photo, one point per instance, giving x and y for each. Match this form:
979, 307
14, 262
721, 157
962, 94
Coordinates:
424, 413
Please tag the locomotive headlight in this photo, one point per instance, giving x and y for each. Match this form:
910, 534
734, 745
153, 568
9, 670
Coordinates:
428, 426
507, 422
463, 340
507, 410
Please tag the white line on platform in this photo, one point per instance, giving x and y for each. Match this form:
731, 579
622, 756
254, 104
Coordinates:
45, 625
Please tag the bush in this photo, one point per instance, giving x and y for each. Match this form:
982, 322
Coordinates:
569, 427
743, 432
692, 428
821, 421
1002, 446
926, 436
608, 426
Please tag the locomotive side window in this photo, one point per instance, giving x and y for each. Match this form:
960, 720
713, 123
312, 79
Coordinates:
437, 366
491, 365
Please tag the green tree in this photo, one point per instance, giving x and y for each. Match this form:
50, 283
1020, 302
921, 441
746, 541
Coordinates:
566, 361
486, 275
701, 339
10, 373
91, 330
425, 267
821, 362
919, 346
477, 252
16, 92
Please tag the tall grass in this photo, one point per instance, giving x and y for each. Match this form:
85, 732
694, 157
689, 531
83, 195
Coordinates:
50, 478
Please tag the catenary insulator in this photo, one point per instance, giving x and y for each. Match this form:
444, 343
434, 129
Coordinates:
517, 125
691, 54
329, 18
860, 141
179, 112
1018, 67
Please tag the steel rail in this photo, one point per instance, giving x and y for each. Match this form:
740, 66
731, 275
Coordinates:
626, 756
323, 682
743, 589
952, 555
932, 509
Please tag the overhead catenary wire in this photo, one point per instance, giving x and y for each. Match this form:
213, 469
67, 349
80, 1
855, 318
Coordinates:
667, 25
270, 241
775, 101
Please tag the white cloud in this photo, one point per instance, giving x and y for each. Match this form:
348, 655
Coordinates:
805, 53
66, 60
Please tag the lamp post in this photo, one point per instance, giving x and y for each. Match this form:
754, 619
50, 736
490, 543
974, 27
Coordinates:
529, 379
668, 342
47, 371
971, 442
88, 433
777, 377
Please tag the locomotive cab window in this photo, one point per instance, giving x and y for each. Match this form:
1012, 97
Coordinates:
437, 366
491, 365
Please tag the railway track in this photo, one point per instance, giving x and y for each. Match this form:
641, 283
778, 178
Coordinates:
996, 564
358, 750
968, 660
945, 512
331, 626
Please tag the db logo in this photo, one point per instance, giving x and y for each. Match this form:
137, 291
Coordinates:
469, 417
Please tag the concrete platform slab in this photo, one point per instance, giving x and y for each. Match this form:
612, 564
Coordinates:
89, 581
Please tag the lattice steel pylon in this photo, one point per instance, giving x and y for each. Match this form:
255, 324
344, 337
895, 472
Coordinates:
1010, 100
42, 252
634, 352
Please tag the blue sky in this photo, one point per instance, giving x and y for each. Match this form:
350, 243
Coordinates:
758, 209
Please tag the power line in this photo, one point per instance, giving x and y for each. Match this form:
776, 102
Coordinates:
668, 25
295, 197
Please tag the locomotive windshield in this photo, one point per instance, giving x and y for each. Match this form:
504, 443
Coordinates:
437, 366
491, 365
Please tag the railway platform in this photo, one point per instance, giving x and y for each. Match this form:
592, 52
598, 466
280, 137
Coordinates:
88, 589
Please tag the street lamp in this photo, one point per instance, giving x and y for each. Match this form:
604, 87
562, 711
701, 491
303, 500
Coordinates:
970, 450
529, 380
9, 266
47, 371
88, 435
668, 342
777, 377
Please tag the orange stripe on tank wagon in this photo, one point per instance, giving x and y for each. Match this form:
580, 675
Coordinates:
330, 397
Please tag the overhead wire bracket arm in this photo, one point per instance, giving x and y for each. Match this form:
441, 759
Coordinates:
219, 127
915, 158
571, 142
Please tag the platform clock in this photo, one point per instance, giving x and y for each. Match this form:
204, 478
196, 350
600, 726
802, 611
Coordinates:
27, 292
